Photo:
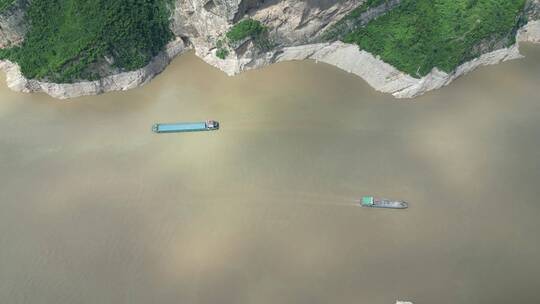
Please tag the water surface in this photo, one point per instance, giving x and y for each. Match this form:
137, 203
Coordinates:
94, 208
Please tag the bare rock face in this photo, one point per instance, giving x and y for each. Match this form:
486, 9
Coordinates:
203, 20
300, 22
530, 32
532, 10
12, 25
291, 22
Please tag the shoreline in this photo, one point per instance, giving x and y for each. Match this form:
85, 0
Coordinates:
380, 75
117, 82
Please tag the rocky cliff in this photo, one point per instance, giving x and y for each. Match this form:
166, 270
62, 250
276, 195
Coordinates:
117, 82
291, 22
12, 23
295, 32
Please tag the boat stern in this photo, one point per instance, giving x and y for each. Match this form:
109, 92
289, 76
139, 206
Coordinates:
403, 205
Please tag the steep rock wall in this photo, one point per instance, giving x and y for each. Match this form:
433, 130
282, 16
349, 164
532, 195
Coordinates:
12, 25
291, 22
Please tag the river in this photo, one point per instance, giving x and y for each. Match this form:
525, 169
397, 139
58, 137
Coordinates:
95, 208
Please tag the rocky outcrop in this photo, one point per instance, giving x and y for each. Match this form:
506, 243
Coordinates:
291, 22
12, 25
294, 23
380, 75
530, 32
532, 10
203, 20
119, 82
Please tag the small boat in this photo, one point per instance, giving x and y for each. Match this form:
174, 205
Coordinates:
374, 202
209, 125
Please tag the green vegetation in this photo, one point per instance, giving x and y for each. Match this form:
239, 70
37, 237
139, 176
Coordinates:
351, 21
241, 31
222, 53
69, 40
422, 34
5, 4
246, 28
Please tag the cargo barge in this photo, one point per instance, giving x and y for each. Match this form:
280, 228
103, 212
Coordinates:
375, 202
209, 125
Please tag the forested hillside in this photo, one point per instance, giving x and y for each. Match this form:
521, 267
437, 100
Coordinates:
422, 34
70, 40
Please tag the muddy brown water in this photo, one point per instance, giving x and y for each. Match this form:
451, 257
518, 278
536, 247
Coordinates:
95, 208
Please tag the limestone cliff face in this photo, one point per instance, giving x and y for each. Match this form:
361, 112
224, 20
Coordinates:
12, 24
295, 23
291, 22
202, 23
532, 10
203, 20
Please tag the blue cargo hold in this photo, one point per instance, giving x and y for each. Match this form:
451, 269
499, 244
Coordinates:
181, 127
